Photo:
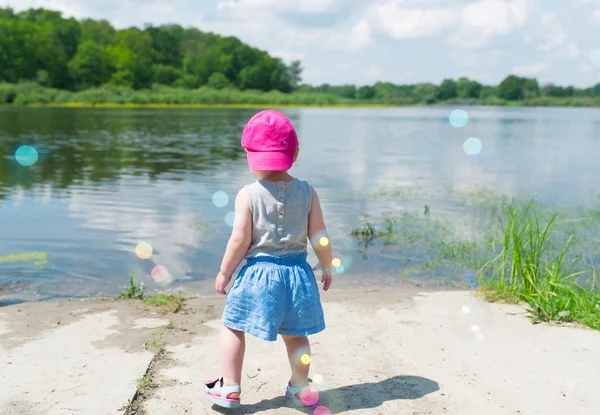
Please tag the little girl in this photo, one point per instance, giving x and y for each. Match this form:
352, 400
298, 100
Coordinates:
276, 291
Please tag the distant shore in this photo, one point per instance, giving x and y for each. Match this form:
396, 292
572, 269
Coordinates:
33, 95
229, 105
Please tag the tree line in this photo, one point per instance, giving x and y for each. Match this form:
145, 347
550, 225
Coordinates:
41, 46
512, 88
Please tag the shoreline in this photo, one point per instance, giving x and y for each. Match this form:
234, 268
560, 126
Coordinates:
272, 105
413, 352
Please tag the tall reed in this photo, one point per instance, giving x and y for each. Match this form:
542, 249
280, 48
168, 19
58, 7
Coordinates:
532, 261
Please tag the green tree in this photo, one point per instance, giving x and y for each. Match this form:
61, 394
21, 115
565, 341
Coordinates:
447, 90
186, 81
385, 91
218, 81
511, 88
132, 51
193, 44
514, 88
531, 88
123, 77
295, 72
165, 75
100, 32
254, 77
91, 66
466, 88
68, 31
365, 92
425, 92
7, 14
52, 58
344, 91
167, 42
281, 78
18, 50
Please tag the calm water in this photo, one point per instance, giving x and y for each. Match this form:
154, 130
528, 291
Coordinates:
107, 180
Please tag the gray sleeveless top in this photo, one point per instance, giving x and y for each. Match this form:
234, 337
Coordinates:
279, 217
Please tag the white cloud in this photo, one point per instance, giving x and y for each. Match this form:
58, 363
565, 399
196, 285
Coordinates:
474, 23
496, 16
549, 36
374, 72
265, 28
551, 33
484, 19
570, 51
356, 38
122, 13
529, 69
596, 16
405, 23
298, 6
288, 56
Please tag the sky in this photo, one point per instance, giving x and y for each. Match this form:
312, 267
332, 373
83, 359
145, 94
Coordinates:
400, 41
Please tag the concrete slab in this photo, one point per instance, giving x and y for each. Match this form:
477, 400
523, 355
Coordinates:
383, 353
68, 369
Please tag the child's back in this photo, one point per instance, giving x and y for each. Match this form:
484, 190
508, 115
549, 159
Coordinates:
280, 212
276, 292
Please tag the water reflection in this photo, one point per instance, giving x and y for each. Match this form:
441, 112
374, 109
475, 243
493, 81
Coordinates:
108, 180
99, 146
105, 182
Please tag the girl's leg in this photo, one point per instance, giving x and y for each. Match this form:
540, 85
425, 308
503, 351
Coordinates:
233, 347
296, 348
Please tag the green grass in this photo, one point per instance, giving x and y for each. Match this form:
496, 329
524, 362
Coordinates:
167, 303
146, 383
523, 252
132, 291
534, 263
157, 341
35, 258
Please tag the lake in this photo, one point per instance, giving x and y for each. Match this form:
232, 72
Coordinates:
107, 180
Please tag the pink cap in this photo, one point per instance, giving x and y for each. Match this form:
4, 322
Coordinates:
270, 140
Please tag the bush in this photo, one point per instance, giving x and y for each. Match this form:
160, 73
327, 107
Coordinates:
8, 93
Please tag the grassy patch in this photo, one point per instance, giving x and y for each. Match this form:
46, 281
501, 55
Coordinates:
34, 258
132, 291
421, 243
521, 251
167, 303
157, 341
146, 383
532, 260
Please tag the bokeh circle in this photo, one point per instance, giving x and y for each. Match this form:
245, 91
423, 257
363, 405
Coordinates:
458, 118
472, 146
143, 250
230, 219
26, 156
220, 199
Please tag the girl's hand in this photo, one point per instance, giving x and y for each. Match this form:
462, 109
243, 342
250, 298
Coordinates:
326, 277
221, 282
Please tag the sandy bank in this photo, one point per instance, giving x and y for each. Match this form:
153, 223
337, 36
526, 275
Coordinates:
383, 353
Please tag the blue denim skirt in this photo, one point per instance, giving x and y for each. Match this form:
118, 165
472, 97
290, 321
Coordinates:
275, 295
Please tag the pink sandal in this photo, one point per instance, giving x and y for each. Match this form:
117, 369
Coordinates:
222, 398
307, 398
